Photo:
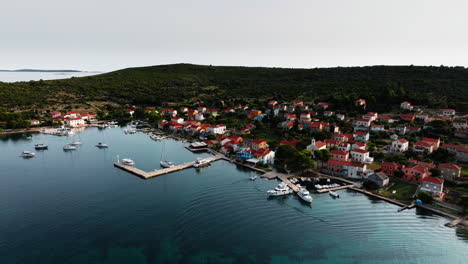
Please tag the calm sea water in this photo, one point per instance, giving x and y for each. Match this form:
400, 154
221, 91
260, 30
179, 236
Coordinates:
36, 76
75, 207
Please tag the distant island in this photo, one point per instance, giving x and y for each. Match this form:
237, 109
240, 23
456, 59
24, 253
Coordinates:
39, 70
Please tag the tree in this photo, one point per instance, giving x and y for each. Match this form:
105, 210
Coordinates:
301, 160
442, 155
425, 197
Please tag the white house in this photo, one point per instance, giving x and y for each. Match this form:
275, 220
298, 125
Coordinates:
217, 129
362, 122
265, 156
199, 117
74, 122
361, 156
377, 128
448, 112
433, 185
372, 116
178, 120
316, 145
406, 105
399, 145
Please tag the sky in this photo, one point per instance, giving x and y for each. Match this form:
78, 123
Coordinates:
107, 35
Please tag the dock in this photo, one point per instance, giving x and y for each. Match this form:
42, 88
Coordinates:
455, 222
412, 205
147, 175
291, 185
335, 189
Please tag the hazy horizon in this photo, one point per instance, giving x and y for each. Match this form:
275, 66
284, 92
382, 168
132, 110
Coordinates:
110, 35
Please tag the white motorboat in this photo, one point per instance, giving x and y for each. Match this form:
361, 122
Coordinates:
69, 147
305, 195
27, 154
76, 143
333, 194
282, 187
201, 163
166, 164
128, 162
102, 145
278, 193
253, 178
318, 186
41, 147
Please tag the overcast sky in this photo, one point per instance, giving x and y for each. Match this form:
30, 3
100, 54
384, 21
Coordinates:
112, 34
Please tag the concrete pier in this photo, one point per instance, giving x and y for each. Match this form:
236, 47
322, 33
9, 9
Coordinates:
147, 175
335, 189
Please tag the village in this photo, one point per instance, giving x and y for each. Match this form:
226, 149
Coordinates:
408, 153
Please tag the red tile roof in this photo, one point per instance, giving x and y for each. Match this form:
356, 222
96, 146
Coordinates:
450, 166
339, 152
434, 180
360, 151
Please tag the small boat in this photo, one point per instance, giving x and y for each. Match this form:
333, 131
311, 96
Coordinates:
69, 147
201, 163
41, 147
75, 143
166, 164
333, 194
253, 178
128, 162
102, 145
305, 195
27, 154
277, 192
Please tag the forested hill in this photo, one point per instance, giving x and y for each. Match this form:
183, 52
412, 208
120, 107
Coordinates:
380, 85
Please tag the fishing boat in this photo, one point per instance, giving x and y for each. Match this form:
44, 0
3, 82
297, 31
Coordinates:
333, 194
69, 147
305, 195
76, 143
27, 154
102, 145
41, 147
128, 162
201, 163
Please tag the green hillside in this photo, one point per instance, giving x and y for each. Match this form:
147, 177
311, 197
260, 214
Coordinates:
380, 85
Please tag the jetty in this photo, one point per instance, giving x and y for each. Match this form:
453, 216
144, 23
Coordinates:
456, 221
147, 175
335, 189
410, 206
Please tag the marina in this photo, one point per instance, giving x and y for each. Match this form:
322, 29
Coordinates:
89, 198
147, 175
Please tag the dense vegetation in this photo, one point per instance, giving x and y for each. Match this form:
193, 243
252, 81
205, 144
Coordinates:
380, 85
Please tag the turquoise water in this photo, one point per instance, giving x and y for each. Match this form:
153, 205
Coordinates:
75, 207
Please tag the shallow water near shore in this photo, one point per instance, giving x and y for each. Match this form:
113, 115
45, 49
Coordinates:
75, 207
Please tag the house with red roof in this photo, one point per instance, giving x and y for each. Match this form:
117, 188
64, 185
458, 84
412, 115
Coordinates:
174, 126
411, 130
434, 141
340, 137
449, 171
340, 155
177, 120
361, 156
316, 145
322, 105
399, 145
377, 128
429, 165
229, 110
265, 156
328, 113
305, 117
359, 145
347, 169
74, 122
415, 173
407, 117
406, 105
460, 124
169, 112
372, 116
461, 134
290, 117
460, 151
272, 103
213, 112
255, 144
433, 185
361, 136
423, 147
217, 129
360, 102
55, 114
386, 119
448, 112
201, 109
361, 122
390, 167
421, 117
